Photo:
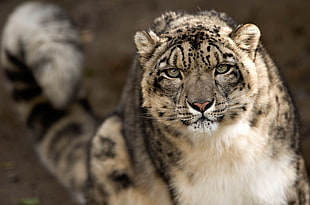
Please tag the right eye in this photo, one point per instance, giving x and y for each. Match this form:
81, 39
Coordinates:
173, 73
221, 69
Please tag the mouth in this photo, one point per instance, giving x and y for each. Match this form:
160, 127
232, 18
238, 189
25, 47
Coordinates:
203, 121
203, 125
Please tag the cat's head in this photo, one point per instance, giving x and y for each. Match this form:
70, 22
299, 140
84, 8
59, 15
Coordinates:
198, 71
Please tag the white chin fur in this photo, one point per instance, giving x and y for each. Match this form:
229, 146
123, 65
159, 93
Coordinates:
203, 126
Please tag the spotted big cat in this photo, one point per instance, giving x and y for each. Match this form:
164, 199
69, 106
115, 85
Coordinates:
204, 118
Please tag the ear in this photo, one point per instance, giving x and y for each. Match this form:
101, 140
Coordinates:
145, 43
247, 38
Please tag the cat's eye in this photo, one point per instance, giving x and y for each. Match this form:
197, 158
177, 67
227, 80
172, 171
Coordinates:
173, 73
223, 68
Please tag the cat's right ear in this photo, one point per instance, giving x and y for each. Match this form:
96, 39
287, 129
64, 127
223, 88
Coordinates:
145, 42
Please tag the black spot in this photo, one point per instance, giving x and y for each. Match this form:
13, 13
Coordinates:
259, 112
253, 122
106, 150
15, 61
156, 84
161, 114
278, 132
121, 179
280, 87
233, 115
26, 94
208, 59
158, 142
286, 115
42, 117
158, 73
216, 29
227, 55
86, 106
20, 76
170, 154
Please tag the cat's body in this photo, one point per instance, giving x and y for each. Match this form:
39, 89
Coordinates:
204, 117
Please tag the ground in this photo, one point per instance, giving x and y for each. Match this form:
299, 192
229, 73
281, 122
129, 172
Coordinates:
107, 28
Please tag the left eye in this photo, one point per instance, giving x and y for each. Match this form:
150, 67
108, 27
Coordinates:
173, 73
221, 69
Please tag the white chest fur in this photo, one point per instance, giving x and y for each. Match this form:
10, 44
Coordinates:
233, 168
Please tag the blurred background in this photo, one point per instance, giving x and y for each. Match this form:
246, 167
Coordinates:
107, 28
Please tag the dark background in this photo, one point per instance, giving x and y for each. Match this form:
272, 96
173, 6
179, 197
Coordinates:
107, 28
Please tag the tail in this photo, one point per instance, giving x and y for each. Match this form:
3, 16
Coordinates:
42, 58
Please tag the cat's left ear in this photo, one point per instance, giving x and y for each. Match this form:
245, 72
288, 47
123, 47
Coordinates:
145, 42
247, 38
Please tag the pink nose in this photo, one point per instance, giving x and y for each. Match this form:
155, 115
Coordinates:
201, 106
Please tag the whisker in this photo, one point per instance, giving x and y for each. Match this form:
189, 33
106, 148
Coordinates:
235, 107
150, 116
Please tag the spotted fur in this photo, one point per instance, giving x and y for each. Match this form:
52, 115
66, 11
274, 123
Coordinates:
204, 118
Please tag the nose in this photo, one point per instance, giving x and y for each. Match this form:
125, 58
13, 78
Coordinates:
201, 106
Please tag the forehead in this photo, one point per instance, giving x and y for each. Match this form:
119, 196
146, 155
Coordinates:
197, 47
197, 32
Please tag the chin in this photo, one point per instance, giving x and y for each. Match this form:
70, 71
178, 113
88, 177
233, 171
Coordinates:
203, 126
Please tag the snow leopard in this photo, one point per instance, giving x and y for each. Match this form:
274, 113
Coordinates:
204, 118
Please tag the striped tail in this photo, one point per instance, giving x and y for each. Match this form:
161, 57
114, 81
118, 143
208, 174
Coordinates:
42, 59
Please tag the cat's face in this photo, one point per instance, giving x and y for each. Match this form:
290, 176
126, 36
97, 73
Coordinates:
200, 77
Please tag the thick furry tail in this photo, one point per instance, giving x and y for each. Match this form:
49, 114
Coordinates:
42, 37
42, 58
